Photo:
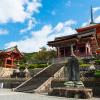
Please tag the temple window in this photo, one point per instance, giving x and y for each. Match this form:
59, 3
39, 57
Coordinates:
9, 62
67, 51
82, 49
62, 52
74, 47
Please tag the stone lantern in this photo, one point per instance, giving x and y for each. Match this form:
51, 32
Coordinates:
26, 71
92, 67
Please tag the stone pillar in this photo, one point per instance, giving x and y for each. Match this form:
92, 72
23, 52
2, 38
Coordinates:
12, 63
77, 51
5, 62
88, 49
85, 50
64, 52
58, 52
72, 51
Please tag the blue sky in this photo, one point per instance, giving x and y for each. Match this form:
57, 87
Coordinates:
30, 24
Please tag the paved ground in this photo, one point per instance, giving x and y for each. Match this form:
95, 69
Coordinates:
9, 95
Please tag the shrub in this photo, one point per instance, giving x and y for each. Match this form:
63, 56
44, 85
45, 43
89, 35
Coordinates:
84, 65
32, 66
86, 60
80, 62
97, 73
22, 66
97, 62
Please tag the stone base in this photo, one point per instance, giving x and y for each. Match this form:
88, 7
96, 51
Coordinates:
69, 84
77, 84
72, 92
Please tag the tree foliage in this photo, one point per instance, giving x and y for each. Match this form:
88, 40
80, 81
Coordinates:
41, 57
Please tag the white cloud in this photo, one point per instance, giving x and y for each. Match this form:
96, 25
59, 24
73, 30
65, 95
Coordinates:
97, 19
32, 6
12, 10
36, 41
40, 38
63, 26
96, 9
59, 27
24, 2
61, 31
84, 24
31, 24
70, 22
3, 32
15, 11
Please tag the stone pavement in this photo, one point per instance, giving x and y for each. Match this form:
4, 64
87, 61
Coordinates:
6, 94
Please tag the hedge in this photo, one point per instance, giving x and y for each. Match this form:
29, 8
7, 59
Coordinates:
84, 65
97, 73
97, 62
31, 66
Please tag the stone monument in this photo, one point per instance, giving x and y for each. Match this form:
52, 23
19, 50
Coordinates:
72, 71
73, 87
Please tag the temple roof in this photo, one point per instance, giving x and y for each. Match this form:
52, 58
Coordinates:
88, 27
9, 51
83, 32
72, 38
66, 37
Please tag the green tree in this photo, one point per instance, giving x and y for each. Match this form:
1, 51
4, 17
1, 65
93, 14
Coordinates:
41, 57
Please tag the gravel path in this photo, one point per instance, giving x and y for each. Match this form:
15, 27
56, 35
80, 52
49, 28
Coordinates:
6, 94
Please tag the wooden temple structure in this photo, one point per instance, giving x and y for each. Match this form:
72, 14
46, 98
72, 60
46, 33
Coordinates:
9, 56
85, 43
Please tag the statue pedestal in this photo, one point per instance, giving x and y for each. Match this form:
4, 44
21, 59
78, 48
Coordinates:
73, 88
72, 92
69, 84
78, 84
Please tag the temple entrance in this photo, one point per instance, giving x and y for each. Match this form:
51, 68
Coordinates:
67, 51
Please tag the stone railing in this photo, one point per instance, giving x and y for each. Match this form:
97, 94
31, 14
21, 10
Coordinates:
45, 87
59, 74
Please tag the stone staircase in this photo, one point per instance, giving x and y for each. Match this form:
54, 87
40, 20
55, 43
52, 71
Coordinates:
46, 86
39, 81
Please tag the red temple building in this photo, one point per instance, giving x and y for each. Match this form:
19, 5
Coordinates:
9, 56
85, 43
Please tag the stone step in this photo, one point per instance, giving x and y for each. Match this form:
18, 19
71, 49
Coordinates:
39, 78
